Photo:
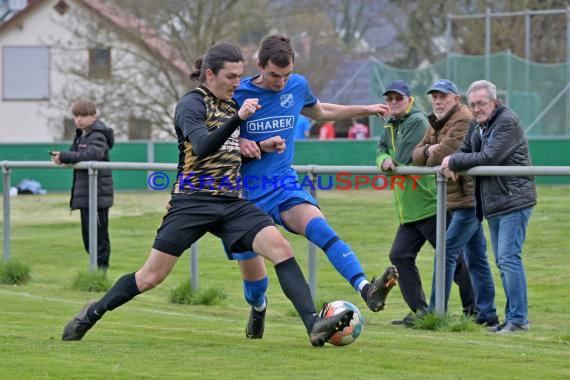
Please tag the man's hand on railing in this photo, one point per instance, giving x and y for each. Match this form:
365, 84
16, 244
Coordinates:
446, 171
55, 157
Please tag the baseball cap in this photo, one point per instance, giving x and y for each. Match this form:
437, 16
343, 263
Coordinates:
400, 87
444, 85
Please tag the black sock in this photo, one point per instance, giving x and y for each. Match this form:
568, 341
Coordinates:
364, 292
296, 289
124, 290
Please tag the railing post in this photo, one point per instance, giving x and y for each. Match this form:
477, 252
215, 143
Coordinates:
194, 275
93, 219
6, 201
440, 244
149, 159
312, 262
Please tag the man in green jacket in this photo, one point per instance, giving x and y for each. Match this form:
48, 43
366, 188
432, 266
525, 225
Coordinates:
415, 205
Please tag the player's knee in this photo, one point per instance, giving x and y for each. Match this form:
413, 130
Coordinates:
282, 249
148, 280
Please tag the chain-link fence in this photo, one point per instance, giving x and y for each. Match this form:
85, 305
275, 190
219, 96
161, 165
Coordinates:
538, 93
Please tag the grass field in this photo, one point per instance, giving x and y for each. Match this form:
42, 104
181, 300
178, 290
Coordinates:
151, 338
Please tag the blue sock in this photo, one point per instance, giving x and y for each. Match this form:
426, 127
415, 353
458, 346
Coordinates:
340, 255
254, 291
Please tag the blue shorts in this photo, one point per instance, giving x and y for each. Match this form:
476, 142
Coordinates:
274, 203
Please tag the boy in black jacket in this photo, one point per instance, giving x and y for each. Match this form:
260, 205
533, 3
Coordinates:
92, 142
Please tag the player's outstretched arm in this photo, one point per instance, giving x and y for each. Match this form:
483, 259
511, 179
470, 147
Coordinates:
330, 111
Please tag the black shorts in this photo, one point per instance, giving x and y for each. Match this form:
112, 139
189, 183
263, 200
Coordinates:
189, 216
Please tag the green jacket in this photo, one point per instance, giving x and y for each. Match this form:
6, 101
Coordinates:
399, 139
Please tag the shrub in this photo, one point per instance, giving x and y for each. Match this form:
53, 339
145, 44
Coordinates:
14, 273
185, 295
91, 281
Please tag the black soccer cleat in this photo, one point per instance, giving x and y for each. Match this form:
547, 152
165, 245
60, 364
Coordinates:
325, 327
379, 289
255, 324
79, 325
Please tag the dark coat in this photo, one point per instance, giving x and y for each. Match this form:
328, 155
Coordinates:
503, 144
94, 145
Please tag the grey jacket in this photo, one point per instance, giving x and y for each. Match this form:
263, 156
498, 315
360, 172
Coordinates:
94, 145
503, 144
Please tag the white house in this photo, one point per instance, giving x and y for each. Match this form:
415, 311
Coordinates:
32, 56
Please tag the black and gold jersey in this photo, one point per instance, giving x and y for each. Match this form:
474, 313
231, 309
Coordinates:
209, 155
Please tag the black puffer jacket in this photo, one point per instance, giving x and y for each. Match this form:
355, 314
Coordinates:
503, 144
94, 145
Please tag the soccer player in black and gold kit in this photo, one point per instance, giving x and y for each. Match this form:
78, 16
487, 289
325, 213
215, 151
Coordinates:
206, 198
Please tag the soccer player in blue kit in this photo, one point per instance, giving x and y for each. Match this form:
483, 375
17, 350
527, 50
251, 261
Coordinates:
271, 183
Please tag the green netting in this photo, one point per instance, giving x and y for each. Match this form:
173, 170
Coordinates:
538, 93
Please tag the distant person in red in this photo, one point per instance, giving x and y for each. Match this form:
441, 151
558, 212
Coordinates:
327, 131
358, 131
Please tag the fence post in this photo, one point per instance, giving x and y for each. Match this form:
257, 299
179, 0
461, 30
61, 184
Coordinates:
194, 276
440, 244
149, 159
6, 201
93, 219
312, 248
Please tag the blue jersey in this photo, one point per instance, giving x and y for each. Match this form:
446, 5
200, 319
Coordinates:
277, 117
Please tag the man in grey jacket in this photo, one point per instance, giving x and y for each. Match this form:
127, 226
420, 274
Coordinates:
92, 142
495, 138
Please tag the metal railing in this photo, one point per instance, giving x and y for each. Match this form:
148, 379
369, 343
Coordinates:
312, 170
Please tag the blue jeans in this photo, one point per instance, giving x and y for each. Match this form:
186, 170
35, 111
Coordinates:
508, 232
465, 234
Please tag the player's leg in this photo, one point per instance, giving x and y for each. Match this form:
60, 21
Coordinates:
255, 284
247, 228
307, 219
179, 229
270, 243
156, 268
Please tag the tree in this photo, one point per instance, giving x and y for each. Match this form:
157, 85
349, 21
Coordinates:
153, 45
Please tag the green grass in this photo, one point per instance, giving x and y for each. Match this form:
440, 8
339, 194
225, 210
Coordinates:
88, 281
152, 338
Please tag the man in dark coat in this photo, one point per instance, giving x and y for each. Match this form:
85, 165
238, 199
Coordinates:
92, 142
496, 138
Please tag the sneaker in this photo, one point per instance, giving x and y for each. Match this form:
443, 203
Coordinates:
255, 324
79, 325
325, 327
487, 322
513, 327
400, 322
496, 328
379, 289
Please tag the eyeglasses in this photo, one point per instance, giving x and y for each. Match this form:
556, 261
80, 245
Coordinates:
393, 98
479, 105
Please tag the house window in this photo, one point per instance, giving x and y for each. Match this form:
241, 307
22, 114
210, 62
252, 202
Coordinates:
139, 129
100, 63
25, 72
61, 7
69, 128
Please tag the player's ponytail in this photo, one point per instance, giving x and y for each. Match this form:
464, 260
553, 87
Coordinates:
215, 59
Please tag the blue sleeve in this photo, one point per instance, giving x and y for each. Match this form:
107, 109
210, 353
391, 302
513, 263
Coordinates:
310, 98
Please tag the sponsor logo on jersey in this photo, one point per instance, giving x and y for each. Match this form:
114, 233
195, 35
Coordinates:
270, 124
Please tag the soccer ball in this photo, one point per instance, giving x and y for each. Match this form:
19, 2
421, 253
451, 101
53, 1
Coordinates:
350, 332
